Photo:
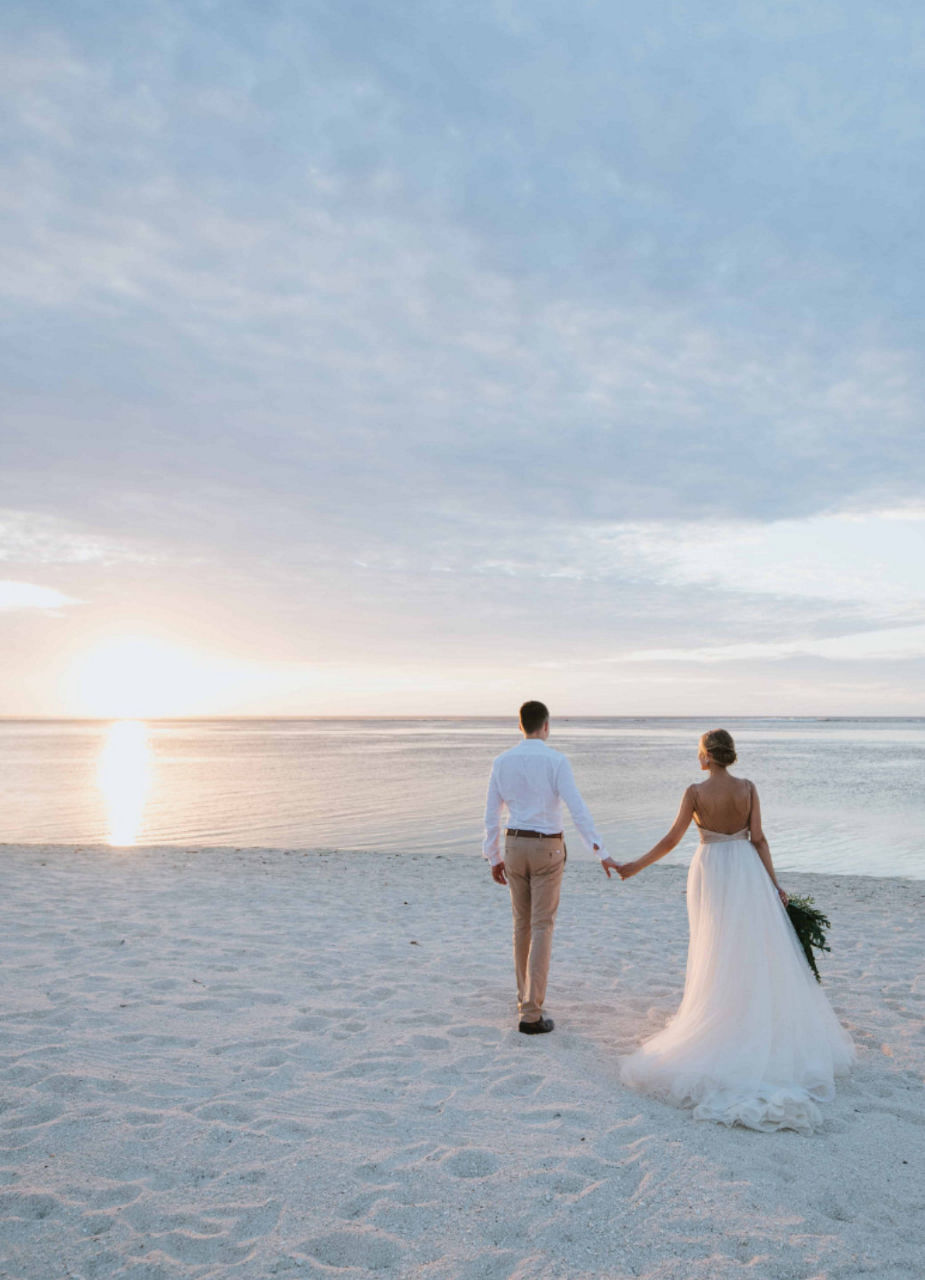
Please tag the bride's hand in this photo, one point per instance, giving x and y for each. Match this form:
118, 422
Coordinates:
783, 896
626, 870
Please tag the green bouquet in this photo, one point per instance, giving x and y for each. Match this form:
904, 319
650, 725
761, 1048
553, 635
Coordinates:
810, 925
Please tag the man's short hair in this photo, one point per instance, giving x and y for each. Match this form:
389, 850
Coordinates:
533, 715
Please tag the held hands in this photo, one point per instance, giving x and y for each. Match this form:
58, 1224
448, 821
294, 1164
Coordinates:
623, 869
607, 863
783, 896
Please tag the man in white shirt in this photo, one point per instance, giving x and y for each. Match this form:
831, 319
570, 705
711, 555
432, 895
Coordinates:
532, 780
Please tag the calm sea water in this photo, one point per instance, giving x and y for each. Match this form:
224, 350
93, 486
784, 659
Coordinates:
837, 795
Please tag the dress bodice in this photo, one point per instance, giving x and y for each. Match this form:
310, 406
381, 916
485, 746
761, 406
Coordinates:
721, 837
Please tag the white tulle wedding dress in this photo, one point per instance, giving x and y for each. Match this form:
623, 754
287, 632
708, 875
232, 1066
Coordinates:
755, 1042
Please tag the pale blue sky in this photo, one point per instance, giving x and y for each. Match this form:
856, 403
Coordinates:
420, 357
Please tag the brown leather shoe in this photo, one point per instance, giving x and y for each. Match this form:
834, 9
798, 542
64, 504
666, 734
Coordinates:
537, 1028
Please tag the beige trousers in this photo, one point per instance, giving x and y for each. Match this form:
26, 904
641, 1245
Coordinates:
534, 874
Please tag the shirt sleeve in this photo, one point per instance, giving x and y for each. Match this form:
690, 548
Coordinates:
491, 845
581, 816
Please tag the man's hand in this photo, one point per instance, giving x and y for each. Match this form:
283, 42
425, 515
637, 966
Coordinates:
497, 873
609, 865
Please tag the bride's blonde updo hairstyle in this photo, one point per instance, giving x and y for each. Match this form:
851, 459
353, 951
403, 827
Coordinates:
719, 746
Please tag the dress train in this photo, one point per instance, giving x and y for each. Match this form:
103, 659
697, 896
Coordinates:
755, 1041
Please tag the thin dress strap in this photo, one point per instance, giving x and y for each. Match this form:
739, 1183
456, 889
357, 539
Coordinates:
692, 792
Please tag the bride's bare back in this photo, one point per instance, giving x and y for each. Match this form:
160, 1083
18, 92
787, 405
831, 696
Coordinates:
722, 803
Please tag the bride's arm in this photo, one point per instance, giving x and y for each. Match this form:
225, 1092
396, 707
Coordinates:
667, 842
760, 841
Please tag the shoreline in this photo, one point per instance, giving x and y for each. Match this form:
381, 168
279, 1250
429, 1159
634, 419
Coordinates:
228, 1063
192, 850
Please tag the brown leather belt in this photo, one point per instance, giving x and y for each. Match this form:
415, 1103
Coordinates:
534, 835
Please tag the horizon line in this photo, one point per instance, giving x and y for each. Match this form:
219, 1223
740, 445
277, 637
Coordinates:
558, 717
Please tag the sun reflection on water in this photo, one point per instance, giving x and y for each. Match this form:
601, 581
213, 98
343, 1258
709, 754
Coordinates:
124, 776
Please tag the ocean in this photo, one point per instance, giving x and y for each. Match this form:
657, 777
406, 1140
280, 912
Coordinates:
838, 795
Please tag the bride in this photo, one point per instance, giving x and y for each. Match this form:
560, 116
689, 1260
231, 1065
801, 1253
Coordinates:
755, 1042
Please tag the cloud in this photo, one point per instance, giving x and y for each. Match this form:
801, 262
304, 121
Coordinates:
883, 646
30, 539
595, 335
872, 560
26, 595
323, 306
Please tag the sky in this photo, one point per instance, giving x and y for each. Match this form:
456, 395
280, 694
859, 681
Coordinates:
420, 358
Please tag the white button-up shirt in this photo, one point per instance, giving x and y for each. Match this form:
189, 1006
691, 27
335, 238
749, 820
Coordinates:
533, 779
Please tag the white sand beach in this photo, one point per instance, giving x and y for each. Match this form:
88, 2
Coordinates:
250, 1064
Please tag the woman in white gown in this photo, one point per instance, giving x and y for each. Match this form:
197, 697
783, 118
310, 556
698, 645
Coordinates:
755, 1042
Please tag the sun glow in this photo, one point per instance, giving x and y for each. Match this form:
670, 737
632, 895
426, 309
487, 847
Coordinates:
132, 676
124, 777
139, 677
136, 677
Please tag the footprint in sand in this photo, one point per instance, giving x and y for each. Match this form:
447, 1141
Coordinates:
372, 1250
555, 1117
485, 1034
29, 1207
274, 1059
104, 1264
96, 1224
168, 1179
424, 1221
25, 1074
493, 1264
33, 1115
198, 1247
69, 1085
428, 1042
517, 1085
142, 1119
251, 1220
834, 1209
471, 1163
225, 1111
377, 993
358, 1206
314, 1022
118, 1196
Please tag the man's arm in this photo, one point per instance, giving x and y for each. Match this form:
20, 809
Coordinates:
491, 845
581, 816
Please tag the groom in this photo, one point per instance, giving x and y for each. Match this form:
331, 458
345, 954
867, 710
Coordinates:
532, 780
